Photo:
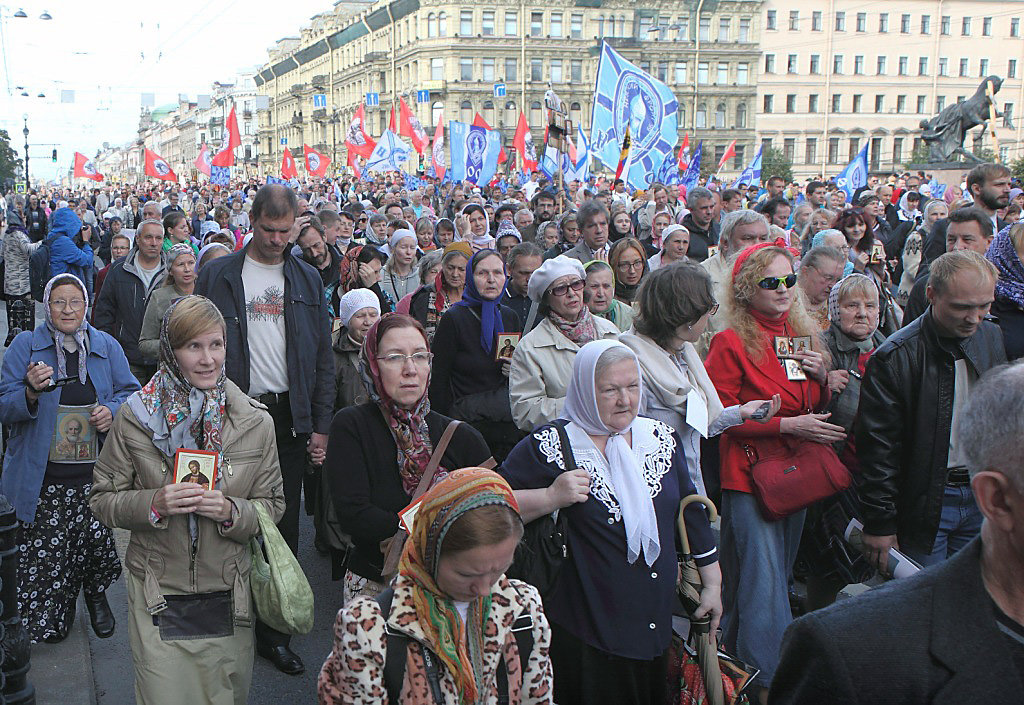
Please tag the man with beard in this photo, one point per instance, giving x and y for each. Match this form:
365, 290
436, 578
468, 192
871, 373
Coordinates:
543, 206
324, 257
989, 187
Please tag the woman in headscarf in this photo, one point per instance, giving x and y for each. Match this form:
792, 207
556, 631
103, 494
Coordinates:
547, 236
1007, 253
911, 248
189, 608
452, 601
361, 268
377, 452
675, 241
611, 607
470, 377
427, 269
621, 225
399, 276
434, 298
55, 432
358, 310
542, 362
477, 233
628, 259
17, 248
599, 295
210, 252
179, 281
444, 232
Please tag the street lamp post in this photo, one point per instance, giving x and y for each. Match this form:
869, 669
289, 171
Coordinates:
25, 132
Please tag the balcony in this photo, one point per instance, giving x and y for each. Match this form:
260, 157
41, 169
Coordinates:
319, 81
320, 114
216, 122
433, 86
321, 147
247, 114
298, 89
372, 56
297, 119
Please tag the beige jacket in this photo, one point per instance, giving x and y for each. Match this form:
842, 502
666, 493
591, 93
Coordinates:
541, 370
718, 268
130, 470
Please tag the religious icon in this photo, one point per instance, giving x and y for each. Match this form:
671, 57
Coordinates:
198, 466
794, 370
782, 345
507, 343
801, 344
74, 440
877, 253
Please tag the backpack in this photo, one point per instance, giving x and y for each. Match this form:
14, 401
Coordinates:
39, 268
397, 653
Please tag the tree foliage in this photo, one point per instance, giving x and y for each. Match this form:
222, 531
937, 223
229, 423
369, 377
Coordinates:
1017, 167
774, 163
10, 163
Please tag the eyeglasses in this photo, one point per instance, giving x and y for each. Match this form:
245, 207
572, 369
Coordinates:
638, 264
397, 360
772, 283
563, 289
61, 305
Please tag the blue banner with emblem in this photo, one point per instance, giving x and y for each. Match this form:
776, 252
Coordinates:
474, 152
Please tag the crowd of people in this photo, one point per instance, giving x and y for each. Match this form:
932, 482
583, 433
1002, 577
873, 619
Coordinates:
502, 354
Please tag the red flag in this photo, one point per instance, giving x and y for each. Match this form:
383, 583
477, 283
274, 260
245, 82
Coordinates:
354, 163
523, 142
288, 170
226, 157
729, 152
357, 139
157, 167
684, 153
316, 163
478, 121
437, 153
203, 160
410, 127
85, 168
391, 122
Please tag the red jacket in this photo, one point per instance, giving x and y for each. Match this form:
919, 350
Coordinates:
739, 380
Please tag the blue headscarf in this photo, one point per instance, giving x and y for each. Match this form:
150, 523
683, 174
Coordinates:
490, 311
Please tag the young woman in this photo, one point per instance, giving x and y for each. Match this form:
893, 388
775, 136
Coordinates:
399, 276
179, 282
628, 259
176, 231
431, 301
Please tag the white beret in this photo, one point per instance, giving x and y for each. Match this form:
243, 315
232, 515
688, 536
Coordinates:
400, 235
551, 270
355, 301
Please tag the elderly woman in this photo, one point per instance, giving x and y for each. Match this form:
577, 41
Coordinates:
179, 281
358, 310
542, 362
62, 547
620, 506
568, 233
435, 297
913, 247
17, 248
200, 215
470, 374
426, 269
189, 609
1007, 253
361, 268
757, 555
399, 277
599, 295
425, 234
453, 602
377, 452
547, 235
675, 241
628, 259
676, 304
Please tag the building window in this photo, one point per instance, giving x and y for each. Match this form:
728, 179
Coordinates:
1014, 26
791, 103
645, 27
944, 25
812, 103
816, 21
789, 148
943, 66
683, 32
858, 99
986, 26
922, 66
437, 69
920, 104
724, 29
940, 103
511, 114
837, 64
964, 67
897, 150
766, 143
536, 24
794, 20
576, 70
744, 35
488, 69
858, 65
771, 20
680, 74
840, 21
854, 147
879, 103
815, 64
465, 69
833, 150
723, 74
741, 115
704, 29
487, 23
702, 72
556, 24
466, 23
702, 115
431, 25
442, 24
791, 63
511, 69
720, 116
1011, 68
965, 30
576, 26
926, 24
862, 22
466, 110
536, 70
837, 102
769, 103
742, 74
1007, 114
556, 71
901, 104
905, 24
904, 63
536, 113
883, 22
769, 63
511, 24
662, 74
811, 151
882, 68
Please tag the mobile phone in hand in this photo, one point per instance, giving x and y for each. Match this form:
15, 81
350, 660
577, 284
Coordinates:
762, 412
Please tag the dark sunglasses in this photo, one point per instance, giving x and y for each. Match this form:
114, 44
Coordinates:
562, 289
772, 283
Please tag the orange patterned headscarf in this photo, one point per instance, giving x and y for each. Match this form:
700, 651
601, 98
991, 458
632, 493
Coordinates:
459, 645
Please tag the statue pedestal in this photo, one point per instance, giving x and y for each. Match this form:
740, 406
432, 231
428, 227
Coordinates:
948, 173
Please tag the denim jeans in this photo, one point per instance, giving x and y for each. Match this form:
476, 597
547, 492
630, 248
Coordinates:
757, 557
959, 523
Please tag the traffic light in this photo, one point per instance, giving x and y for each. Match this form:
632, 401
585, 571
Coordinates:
55, 155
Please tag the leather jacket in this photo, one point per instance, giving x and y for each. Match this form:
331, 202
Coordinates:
904, 422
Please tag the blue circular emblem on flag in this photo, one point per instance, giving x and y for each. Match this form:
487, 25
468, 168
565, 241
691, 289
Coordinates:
637, 104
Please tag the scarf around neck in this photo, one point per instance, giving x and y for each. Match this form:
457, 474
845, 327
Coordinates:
581, 331
81, 334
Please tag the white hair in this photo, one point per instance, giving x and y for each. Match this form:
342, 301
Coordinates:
989, 429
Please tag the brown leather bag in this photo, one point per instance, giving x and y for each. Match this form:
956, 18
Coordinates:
803, 473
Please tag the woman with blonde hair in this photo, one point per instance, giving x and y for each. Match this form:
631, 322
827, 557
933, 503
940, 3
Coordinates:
757, 554
179, 281
628, 260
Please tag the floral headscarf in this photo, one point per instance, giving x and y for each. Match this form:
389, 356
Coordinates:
81, 334
178, 414
458, 644
1002, 253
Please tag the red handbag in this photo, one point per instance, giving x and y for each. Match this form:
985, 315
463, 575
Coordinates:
802, 474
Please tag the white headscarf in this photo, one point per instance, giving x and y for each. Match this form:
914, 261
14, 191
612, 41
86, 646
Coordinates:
625, 473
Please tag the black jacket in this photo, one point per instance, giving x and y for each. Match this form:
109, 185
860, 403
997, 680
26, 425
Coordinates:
700, 238
1010, 318
311, 388
121, 305
931, 638
934, 245
904, 422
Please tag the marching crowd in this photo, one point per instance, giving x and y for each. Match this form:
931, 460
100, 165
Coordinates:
514, 358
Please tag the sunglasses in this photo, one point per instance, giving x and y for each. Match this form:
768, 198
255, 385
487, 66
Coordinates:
772, 283
562, 289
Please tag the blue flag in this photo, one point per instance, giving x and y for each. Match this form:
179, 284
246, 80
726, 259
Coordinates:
275, 180
669, 171
474, 152
220, 175
752, 174
389, 154
855, 174
521, 178
412, 183
692, 175
625, 94
937, 190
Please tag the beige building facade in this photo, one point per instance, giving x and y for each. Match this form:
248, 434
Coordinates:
837, 75
457, 51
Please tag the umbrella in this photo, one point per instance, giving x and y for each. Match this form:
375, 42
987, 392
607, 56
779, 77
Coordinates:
703, 641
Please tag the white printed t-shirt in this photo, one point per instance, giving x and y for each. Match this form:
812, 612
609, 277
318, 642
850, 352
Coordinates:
264, 314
